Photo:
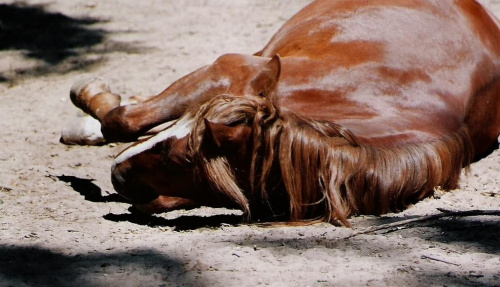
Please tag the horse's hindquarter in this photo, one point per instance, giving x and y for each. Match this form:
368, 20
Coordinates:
390, 70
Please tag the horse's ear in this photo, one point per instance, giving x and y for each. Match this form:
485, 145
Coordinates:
227, 137
266, 81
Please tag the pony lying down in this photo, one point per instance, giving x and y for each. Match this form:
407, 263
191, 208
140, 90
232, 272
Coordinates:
353, 107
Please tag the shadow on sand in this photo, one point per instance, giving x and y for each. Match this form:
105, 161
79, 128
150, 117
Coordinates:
60, 43
35, 266
91, 192
181, 223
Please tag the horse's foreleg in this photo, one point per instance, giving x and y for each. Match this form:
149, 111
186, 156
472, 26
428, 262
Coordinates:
128, 122
117, 122
94, 97
83, 130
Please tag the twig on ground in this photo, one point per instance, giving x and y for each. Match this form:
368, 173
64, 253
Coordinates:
445, 213
491, 193
3, 188
437, 259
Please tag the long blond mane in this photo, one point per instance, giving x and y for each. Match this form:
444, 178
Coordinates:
325, 173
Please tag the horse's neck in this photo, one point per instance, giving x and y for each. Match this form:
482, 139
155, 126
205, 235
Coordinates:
331, 175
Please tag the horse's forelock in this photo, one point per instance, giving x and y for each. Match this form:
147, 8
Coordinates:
215, 168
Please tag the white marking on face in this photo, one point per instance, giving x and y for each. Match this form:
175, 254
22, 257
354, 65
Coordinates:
179, 129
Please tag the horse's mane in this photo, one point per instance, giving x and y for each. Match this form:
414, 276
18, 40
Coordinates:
324, 172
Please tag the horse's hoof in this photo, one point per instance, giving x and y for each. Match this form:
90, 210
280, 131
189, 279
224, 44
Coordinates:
83, 90
82, 131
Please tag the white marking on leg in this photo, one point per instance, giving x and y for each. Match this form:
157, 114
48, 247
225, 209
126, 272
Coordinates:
82, 130
179, 129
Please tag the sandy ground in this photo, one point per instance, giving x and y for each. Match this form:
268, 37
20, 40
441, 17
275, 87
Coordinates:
61, 224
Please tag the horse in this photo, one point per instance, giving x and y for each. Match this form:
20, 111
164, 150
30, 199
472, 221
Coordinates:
352, 107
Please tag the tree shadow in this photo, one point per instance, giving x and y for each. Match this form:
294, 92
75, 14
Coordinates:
34, 266
51, 37
476, 232
89, 190
58, 41
460, 235
472, 233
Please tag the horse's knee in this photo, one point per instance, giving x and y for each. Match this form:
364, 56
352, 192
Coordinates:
117, 127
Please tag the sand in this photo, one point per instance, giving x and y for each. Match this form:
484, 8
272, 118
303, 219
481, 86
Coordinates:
62, 225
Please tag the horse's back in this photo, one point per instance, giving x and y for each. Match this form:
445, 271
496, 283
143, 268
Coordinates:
392, 71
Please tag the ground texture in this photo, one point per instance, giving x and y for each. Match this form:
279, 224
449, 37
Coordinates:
62, 225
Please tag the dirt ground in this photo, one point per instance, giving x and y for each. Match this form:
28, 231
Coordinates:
62, 225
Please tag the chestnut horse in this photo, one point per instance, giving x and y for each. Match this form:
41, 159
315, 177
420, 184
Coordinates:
353, 107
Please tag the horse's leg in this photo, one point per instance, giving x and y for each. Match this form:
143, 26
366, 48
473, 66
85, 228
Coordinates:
82, 129
95, 99
128, 122
93, 96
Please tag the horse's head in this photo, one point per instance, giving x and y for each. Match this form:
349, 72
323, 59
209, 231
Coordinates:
204, 158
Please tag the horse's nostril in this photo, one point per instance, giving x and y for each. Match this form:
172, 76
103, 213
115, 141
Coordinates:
117, 178
129, 185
